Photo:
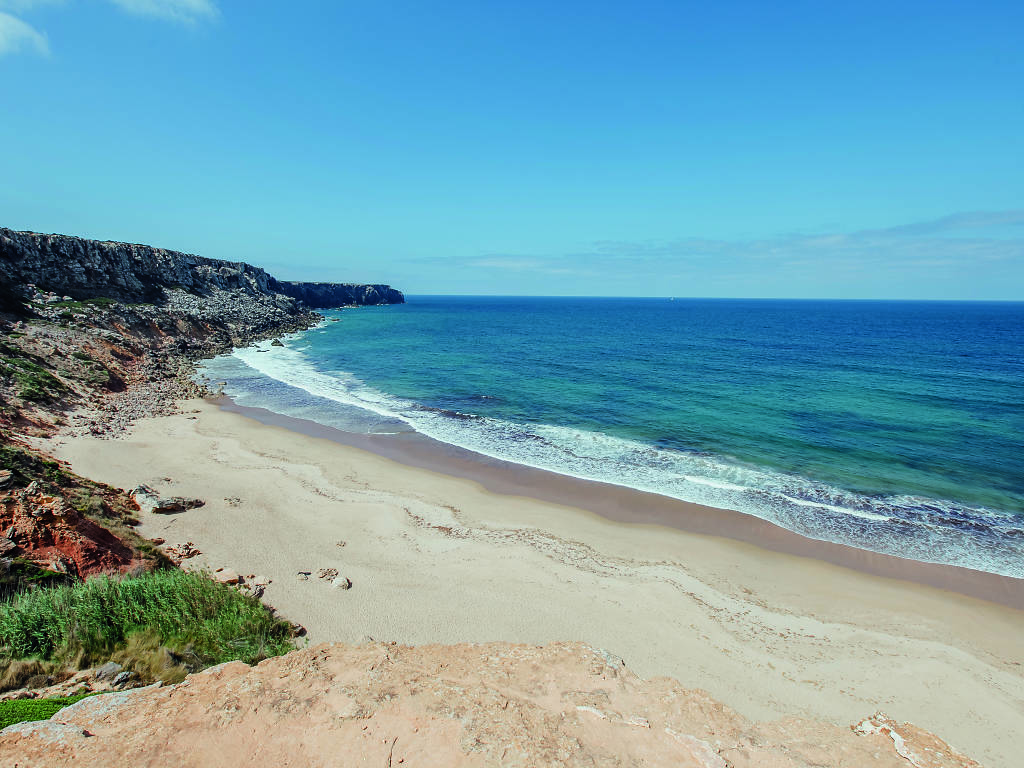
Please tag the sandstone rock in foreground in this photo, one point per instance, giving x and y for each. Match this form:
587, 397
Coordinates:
464, 705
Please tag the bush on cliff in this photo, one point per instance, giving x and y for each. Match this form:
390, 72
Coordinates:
161, 625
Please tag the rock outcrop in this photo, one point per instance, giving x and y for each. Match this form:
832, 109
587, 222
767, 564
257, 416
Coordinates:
64, 525
133, 274
464, 705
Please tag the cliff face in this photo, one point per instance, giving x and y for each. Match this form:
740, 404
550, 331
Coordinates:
130, 273
319, 295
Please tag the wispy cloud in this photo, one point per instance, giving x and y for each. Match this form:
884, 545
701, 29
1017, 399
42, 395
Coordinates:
185, 11
16, 35
971, 220
937, 244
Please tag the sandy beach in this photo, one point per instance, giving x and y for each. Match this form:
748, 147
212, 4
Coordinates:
785, 629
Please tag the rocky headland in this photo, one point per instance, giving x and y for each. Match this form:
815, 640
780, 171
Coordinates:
115, 328
132, 273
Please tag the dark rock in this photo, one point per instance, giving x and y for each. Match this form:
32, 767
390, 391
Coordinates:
326, 295
123, 678
109, 671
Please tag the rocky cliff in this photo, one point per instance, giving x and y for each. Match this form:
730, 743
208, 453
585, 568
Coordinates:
322, 295
130, 273
496, 704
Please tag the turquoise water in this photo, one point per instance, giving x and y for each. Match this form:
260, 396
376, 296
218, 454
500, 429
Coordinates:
892, 426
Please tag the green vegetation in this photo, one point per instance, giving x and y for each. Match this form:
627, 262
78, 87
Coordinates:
19, 575
80, 355
26, 710
28, 371
161, 625
26, 467
99, 301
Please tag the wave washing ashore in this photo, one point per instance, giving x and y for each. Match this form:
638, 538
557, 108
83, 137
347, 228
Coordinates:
888, 426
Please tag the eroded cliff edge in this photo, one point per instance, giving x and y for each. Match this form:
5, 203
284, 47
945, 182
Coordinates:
134, 274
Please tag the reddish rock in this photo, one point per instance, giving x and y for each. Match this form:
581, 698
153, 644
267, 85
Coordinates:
47, 532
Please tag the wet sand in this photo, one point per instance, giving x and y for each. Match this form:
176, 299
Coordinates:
627, 505
446, 548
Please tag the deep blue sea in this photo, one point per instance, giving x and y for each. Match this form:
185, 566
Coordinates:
892, 426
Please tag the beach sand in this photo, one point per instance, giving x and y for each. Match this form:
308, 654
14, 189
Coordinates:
791, 628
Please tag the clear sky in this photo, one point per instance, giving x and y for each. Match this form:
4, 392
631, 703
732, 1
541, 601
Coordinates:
808, 149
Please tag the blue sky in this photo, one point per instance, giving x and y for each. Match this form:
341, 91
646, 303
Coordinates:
805, 149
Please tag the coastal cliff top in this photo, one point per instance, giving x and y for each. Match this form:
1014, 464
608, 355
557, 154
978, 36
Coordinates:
563, 704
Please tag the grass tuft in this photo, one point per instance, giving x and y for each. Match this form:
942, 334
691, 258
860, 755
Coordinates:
160, 624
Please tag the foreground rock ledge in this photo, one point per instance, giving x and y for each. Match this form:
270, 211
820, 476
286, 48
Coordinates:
463, 705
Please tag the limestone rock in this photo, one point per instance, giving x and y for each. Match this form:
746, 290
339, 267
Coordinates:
81, 269
150, 501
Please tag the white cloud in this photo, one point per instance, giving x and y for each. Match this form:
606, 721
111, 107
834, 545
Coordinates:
16, 35
187, 11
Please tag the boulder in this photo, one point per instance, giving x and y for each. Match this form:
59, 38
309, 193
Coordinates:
109, 671
150, 501
341, 582
228, 576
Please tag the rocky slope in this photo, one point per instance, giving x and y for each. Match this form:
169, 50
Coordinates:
464, 705
131, 273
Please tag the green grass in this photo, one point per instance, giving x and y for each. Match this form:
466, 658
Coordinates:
26, 467
34, 382
25, 710
99, 301
161, 625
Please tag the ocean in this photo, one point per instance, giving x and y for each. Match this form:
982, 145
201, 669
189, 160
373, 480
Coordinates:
896, 427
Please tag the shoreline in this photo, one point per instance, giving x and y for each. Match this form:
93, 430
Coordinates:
630, 506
